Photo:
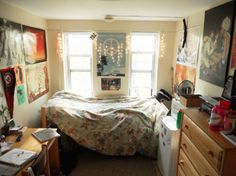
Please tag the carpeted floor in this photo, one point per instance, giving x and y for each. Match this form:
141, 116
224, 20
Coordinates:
90, 163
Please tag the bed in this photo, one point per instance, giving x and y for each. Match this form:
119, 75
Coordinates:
111, 125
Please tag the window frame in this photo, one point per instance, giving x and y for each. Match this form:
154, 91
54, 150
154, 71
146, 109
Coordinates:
154, 54
68, 70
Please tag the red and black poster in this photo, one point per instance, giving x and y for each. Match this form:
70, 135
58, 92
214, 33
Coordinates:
9, 81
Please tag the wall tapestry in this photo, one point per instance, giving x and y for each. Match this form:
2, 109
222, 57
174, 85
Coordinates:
183, 72
111, 83
11, 43
189, 54
111, 54
216, 43
34, 45
37, 80
9, 82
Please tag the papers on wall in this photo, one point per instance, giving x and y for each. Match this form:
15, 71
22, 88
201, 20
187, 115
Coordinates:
45, 134
17, 157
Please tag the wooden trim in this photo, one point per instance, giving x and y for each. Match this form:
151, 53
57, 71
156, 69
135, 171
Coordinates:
43, 117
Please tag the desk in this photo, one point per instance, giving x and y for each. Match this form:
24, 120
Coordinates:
28, 142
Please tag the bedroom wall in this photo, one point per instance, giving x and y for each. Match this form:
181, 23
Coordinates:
164, 73
197, 20
26, 114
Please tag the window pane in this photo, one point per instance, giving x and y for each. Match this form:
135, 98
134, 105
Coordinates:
82, 63
141, 80
140, 92
81, 81
142, 62
142, 43
79, 44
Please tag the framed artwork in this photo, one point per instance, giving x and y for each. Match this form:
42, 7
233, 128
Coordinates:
189, 54
183, 72
216, 43
111, 54
37, 80
34, 45
11, 43
111, 83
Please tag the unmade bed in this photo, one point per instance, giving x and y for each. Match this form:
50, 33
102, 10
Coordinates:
111, 126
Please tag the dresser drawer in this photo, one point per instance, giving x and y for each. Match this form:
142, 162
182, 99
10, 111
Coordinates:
197, 159
180, 172
185, 165
208, 147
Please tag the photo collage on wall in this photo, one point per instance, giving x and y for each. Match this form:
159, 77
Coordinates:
22, 48
111, 58
187, 57
216, 44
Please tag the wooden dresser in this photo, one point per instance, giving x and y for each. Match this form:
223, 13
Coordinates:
203, 152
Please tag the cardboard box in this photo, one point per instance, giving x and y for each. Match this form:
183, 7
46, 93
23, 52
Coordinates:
191, 100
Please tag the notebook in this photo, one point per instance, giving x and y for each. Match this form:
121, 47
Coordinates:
45, 134
17, 157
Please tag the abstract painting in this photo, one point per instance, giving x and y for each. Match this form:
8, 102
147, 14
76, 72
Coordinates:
34, 45
37, 80
11, 43
216, 43
111, 54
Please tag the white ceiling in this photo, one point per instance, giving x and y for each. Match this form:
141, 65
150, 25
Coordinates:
119, 9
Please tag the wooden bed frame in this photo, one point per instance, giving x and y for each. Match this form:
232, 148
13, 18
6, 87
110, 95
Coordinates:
43, 117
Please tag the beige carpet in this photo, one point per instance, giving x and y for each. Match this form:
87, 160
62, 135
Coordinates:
94, 164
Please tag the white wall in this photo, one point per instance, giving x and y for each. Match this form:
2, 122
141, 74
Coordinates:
26, 114
164, 67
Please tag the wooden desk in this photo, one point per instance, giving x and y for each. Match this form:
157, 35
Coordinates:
28, 142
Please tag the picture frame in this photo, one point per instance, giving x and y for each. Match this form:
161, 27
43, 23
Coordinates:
34, 41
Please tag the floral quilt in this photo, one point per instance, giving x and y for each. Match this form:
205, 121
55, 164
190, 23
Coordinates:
112, 126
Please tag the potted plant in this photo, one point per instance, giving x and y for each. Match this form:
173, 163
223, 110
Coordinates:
3, 114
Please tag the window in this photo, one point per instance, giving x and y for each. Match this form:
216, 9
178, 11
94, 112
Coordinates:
78, 64
143, 65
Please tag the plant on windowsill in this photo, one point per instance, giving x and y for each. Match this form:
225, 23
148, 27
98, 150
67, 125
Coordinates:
3, 114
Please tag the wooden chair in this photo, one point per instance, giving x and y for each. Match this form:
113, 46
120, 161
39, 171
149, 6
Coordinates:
39, 165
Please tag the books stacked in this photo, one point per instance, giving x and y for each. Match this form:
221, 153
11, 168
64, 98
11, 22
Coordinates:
45, 134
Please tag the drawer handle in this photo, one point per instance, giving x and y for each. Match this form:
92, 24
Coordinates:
184, 145
186, 126
181, 162
211, 153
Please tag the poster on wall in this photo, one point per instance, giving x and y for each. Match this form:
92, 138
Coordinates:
111, 54
11, 43
189, 54
8, 79
20, 90
111, 84
183, 72
34, 45
36, 80
216, 43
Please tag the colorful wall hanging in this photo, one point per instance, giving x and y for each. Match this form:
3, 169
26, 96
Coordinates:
34, 45
20, 94
37, 80
183, 72
111, 83
111, 54
8, 79
11, 43
216, 43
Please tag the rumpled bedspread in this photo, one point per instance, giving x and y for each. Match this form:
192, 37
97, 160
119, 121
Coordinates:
111, 126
